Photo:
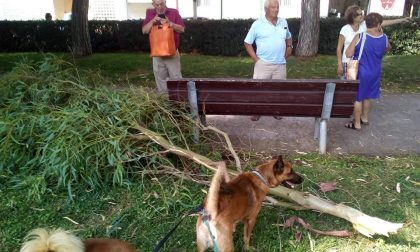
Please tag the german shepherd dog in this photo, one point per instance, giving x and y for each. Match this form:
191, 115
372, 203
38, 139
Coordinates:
42, 240
240, 199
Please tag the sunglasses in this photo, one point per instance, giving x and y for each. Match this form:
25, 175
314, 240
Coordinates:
360, 14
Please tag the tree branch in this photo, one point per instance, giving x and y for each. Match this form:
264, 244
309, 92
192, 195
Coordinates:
365, 224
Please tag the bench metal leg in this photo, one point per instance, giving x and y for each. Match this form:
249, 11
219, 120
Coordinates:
328, 101
192, 98
326, 114
323, 136
316, 131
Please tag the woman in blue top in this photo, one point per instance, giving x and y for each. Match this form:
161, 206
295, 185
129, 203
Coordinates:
355, 25
375, 47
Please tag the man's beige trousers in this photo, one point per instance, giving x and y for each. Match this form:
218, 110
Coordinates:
165, 68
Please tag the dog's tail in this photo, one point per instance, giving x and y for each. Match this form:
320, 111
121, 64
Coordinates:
213, 195
42, 240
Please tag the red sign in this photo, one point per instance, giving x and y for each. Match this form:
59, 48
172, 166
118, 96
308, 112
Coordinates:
387, 4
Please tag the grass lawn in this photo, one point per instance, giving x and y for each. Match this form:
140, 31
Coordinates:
144, 211
146, 208
400, 73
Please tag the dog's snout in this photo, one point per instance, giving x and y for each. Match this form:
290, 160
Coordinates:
299, 179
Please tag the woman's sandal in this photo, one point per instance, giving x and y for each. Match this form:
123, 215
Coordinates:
350, 125
361, 121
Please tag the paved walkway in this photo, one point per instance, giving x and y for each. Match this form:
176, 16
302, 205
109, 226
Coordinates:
394, 129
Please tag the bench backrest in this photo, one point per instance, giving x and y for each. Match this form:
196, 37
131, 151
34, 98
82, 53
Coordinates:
292, 97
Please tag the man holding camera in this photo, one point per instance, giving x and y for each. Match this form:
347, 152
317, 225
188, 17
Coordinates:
169, 66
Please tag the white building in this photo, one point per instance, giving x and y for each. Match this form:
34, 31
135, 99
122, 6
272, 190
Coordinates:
244, 9
136, 9
24, 9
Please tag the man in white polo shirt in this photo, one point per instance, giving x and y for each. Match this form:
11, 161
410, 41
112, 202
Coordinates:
274, 44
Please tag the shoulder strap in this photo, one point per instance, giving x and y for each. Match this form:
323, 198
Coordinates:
363, 44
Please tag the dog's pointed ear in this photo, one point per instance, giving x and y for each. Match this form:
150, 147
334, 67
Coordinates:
280, 164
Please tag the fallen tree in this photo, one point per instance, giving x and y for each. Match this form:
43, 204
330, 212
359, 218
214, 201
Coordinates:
364, 224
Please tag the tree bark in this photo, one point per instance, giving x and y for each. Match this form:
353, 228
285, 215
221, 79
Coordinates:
307, 45
195, 9
81, 45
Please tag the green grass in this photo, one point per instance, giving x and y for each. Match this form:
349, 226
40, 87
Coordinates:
400, 73
144, 211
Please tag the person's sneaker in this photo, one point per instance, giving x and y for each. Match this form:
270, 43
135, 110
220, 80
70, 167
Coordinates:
255, 118
278, 117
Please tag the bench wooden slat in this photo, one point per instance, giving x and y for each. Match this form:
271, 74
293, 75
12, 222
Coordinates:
271, 109
263, 96
261, 85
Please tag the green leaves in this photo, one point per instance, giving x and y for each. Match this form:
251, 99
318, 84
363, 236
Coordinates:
404, 38
57, 128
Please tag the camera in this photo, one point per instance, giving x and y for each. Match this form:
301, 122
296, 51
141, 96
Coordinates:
162, 16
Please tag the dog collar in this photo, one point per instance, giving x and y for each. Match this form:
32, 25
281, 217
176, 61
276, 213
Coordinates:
261, 177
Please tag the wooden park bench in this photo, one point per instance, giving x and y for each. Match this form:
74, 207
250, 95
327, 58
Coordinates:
322, 99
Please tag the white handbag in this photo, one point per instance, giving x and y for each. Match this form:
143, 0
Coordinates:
353, 65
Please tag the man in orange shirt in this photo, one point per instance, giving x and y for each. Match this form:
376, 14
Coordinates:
165, 67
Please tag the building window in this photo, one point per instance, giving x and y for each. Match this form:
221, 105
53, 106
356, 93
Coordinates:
103, 10
286, 2
203, 2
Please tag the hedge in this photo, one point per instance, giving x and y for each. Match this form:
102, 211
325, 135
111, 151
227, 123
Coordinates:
210, 37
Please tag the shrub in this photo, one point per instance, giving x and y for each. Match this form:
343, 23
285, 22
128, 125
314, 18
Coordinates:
404, 38
210, 37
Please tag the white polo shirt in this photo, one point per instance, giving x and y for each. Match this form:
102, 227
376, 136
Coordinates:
270, 39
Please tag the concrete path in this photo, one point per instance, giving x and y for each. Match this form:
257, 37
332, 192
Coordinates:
394, 129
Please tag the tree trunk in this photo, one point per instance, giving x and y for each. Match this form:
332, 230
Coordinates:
79, 29
195, 9
308, 41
